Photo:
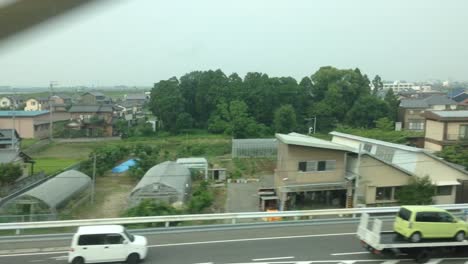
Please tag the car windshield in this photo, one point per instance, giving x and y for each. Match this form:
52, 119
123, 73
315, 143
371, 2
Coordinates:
404, 214
130, 236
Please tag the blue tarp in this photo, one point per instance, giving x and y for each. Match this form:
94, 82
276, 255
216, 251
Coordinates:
124, 166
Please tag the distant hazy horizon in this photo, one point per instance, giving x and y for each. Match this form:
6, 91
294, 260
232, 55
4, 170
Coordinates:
139, 42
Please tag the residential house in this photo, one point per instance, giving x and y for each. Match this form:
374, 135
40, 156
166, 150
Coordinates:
451, 180
136, 99
445, 128
10, 102
95, 119
94, 98
411, 111
30, 124
462, 100
33, 104
10, 149
311, 169
44, 102
57, 103
351, 171
67, 100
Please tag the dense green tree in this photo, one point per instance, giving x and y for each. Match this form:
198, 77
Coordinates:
378, 85
366, 111
184, 121
456, 154
167, 102
234, 120
150, 207
328, 94
285, 119
384, 124
393, 103
418, 192
9, 173
202, 198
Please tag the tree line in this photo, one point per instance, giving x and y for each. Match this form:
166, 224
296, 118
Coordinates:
259, 105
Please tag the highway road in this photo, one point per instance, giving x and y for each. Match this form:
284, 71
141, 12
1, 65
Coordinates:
295, 244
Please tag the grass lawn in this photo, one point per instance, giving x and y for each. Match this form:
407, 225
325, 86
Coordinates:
51, 165
25, 143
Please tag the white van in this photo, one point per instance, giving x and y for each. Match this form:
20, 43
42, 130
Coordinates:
106, 243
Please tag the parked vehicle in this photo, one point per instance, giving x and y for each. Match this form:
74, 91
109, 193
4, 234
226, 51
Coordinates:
107, 243
426, 222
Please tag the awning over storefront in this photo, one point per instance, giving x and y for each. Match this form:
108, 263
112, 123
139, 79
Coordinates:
330, 186
446, 183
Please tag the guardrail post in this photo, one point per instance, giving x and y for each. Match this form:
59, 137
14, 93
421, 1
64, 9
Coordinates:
18, 231
167, 223
296, 218
233, 221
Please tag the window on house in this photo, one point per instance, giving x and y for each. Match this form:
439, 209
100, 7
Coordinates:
367, 147
385, 153
415, 124
463, 132
384, 193
444, 190
322, 165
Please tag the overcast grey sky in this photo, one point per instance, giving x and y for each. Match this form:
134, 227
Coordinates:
139, 42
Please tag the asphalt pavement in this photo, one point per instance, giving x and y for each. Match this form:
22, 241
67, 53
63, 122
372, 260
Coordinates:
300, 244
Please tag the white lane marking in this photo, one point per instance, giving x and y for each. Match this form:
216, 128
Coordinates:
204, 263
277, 258
33, 254
60, 257
394, 261
248, 239
36, 260
350, 253
347, 262
434, 261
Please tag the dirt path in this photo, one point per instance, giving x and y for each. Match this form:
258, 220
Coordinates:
112, 193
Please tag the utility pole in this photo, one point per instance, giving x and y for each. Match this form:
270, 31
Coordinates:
93, 186
356, 180
314, 124
51, 129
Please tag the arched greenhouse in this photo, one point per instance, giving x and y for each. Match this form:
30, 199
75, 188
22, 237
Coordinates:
167, 181
51, 195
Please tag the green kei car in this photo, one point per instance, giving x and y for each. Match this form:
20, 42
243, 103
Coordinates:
426, 222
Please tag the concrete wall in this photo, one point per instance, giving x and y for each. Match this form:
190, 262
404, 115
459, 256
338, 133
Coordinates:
446, 199
432, 146
434, 130
453, 128
289, 156
375, 173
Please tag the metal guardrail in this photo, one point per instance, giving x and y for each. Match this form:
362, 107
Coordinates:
167, 219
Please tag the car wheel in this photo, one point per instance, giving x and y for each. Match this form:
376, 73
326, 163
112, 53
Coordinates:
78, 260
460, 236
423, 256
133, 258
415, 237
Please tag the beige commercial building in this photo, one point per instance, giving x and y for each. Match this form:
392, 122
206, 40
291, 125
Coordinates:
30, 124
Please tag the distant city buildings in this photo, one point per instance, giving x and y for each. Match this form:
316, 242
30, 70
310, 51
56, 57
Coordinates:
398, 87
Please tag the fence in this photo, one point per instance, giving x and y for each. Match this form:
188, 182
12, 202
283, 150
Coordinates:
255, 147
233, 217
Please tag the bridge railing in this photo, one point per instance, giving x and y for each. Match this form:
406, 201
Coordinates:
233, 217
